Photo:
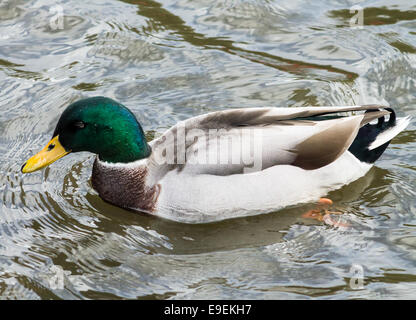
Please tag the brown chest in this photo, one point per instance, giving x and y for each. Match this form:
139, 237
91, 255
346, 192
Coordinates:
125, 187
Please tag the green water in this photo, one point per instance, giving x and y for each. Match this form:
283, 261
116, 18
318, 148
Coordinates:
168, 61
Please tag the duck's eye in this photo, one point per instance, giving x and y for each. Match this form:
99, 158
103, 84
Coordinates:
79, 124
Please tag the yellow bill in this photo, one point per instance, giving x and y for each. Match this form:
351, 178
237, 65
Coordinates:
52, 152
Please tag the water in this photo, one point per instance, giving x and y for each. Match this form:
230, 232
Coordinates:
171, 60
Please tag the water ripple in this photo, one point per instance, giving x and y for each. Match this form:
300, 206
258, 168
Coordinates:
168, 61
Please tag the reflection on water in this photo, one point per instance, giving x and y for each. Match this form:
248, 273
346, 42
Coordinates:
168, 61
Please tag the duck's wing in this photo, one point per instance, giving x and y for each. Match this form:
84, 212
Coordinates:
240, 140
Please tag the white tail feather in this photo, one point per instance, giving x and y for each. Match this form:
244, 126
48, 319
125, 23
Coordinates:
385, 136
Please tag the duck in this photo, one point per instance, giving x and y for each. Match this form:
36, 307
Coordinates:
223, 164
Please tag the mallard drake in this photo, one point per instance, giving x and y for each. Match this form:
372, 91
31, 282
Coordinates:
222, 164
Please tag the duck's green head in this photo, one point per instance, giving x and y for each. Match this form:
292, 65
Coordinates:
99, 125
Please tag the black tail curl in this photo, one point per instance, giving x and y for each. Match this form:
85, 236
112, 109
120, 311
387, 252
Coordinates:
368, 134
